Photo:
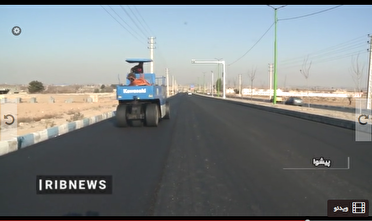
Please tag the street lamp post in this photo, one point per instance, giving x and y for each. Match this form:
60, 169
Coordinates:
218, 77
194, 61
275, 54
212, 88
204, 82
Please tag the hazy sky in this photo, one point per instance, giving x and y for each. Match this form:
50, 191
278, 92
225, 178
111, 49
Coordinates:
89, 44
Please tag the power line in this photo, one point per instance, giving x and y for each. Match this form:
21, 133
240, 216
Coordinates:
339, 49
122, 19
332, 52
309, 14
330, 58
150, 31
253, 45
329, 48
161, 55
143, 20
121, 25
143, 27
134, 22
341, 56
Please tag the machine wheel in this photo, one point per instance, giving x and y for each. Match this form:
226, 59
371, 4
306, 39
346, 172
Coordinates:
167, 110
121, 115
152, 115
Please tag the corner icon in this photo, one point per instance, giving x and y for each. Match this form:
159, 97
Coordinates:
16, 30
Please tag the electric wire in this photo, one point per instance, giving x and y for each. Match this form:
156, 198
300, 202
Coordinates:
278, 20
302, 16
122, 25
134, 22
143, 27
253, 45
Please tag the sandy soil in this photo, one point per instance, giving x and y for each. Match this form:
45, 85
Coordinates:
33, 117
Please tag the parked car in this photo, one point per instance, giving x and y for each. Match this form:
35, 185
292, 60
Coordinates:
294, 101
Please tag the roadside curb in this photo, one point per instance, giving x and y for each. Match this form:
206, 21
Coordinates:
20, 142
348, 124
26, 140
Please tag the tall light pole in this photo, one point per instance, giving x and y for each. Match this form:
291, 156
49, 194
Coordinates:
198, 85
369, 86
204, 82
166, 71
218, 76
275, 53
151, 47
212, 88
270, 79
193, 61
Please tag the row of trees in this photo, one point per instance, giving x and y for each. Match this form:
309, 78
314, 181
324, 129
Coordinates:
38, 87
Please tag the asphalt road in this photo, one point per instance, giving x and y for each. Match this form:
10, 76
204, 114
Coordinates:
211, 158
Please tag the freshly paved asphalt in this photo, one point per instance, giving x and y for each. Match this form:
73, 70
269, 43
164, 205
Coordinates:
211, 158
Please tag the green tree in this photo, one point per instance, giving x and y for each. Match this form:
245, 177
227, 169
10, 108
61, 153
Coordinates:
219, 85
103, 86
35, 87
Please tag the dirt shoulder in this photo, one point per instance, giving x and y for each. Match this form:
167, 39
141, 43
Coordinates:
56, 109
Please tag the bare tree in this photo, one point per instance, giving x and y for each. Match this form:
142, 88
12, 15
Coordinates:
305, 71
357, 73
252, 76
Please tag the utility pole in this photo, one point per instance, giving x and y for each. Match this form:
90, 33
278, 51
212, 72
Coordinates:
218, 77
198, 85
369, 88
275, 53
204, 83
240, 85
166, 71
151, 47
270, 78
173, 84
212, 88
224, 79
218, 88
275, 77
